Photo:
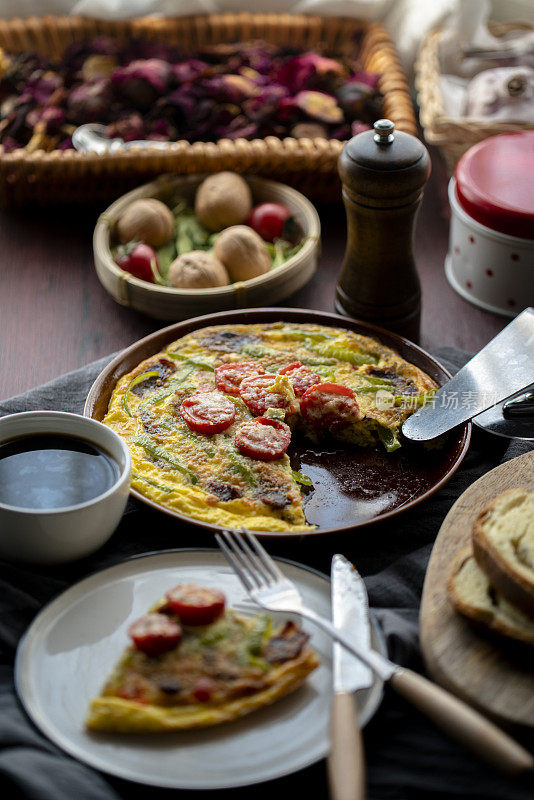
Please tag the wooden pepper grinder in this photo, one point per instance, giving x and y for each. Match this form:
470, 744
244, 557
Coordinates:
383, 174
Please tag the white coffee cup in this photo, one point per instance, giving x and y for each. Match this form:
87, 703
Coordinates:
57, 535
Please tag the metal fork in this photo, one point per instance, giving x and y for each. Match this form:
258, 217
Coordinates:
267, 586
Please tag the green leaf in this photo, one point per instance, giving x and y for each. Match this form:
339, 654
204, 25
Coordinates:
190, 233
166, 256
156, 273
279, 253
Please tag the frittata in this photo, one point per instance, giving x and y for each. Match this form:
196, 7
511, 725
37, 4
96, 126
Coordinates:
194, 663
208, 420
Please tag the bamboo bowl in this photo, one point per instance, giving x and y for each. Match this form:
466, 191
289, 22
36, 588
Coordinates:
165, 303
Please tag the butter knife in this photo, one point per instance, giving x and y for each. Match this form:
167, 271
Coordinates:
502, 368
350, 614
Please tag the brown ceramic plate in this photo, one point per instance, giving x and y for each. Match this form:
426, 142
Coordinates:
352, 486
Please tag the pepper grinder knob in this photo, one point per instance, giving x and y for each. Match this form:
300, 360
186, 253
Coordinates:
383, 131
383, 172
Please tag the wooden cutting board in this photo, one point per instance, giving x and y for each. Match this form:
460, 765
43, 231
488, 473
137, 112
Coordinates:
498, 680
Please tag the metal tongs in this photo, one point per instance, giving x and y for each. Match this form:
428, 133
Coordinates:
91, 138
501, 371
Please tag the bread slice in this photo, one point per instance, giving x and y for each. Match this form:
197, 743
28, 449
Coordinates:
503, 545
473, 596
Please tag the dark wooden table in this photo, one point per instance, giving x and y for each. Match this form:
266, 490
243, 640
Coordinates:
55, 316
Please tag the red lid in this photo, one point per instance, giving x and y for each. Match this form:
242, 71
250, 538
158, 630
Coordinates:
495, 183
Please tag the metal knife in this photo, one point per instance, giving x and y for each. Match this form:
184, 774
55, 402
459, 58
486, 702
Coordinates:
350, 613
502, 368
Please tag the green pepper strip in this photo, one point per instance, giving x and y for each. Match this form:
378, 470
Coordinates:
136, 380
290, 333
198, 364
259, 351
389, 439
259, 631
193, 437
242, 469
159, 452
372, 389
319, 362
171, 386
300, 478
161, 488
417, 400
344, 353
380, 382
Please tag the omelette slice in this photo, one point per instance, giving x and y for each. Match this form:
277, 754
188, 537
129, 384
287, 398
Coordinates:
194, 663
208, 420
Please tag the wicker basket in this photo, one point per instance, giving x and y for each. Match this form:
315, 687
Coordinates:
73, 177
453, 136
170, 304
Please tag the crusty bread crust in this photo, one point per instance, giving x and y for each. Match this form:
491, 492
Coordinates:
488, 618
514, 585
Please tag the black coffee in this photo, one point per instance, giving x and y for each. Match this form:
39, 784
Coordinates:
48, 471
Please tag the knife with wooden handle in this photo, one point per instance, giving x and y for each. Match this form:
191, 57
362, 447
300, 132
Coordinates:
457, 719
350, 613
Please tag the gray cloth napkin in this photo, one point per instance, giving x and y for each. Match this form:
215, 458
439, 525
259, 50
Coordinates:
406, 756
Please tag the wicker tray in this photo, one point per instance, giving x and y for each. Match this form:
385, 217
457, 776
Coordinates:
454, 136
73, 177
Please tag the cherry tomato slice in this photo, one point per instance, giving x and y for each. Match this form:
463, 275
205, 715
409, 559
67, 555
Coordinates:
196, 605
290, 367
155, 633
256, 392
208, 412
228, 377
263, 439
132, 693
203, 690
329, 405
301, 377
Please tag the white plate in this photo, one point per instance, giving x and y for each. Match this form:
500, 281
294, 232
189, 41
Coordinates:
73, 644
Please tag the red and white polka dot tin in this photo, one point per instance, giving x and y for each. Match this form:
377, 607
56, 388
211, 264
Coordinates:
491, 242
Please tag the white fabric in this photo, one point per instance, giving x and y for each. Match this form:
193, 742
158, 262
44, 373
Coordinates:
408, 21
476, 87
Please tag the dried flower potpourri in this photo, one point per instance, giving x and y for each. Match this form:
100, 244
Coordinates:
150, 90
